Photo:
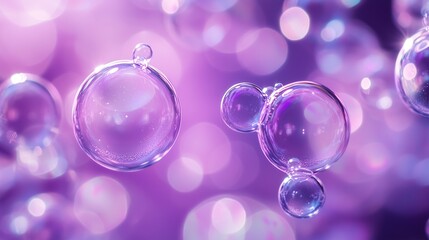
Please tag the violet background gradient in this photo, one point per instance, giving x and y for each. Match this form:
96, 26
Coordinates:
379, 189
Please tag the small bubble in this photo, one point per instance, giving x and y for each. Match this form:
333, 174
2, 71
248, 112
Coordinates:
268, 90
241, 107
142, 55
301, 195
277, 86
294, 164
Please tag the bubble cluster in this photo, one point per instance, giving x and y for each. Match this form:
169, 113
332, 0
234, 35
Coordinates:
29, 111
411, 72
302, 128
126, 114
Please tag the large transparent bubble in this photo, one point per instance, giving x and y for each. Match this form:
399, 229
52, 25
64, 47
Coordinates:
306, 121
29, 111
412, 72
126, 114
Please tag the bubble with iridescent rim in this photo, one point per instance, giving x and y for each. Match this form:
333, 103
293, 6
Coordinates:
126, 113
303, 120
30, 111
241, 107
411, 72
301, 194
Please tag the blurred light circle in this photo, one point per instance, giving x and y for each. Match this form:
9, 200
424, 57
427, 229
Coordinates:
30, 48
223, 30
351, 3
44, 162
356, 46
216, 5
32, 12
171, 6
267, 224
294, 23
408, 14
228, 216
373, 158
187, 26
42, 216
185, 175
319, 12
262, 51
242, 170
101, 204
36, 207
198, 28
208, 145
220, 217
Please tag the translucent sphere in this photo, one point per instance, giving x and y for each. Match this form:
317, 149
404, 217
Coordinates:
241, 107
126, 114
411, 72
301, 194
304, 121
29, 111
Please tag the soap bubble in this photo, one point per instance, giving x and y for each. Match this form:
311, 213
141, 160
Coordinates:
126, 114
29, 111
301, 194
306, 121
241, 107
412, 72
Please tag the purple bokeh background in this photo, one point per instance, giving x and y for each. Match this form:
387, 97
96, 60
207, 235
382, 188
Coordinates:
215, 183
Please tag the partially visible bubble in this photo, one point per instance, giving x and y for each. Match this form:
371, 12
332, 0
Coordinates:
142, 55
412, 71
301, 195
30, 111
409, 14
241, 107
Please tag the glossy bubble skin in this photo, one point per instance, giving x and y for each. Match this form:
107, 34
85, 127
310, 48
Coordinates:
29, 111
301, 194
126, 117
241, 107
411, 72
304, 120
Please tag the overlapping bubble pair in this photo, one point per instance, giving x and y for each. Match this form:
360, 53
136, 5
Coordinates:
302, 127
126, 114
